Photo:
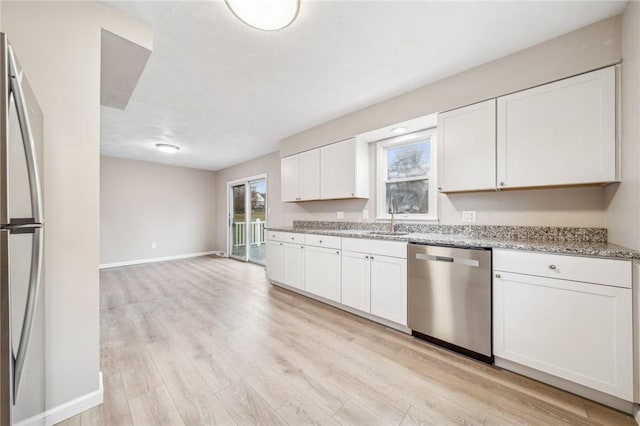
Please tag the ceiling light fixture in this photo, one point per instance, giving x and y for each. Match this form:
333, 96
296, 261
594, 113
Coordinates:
266, 15
398, 130
168, 148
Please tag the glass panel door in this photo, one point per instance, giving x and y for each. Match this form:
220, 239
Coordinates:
248, 219
238, 213
257, 220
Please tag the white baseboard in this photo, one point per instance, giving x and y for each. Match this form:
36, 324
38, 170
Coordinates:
68, 409
155, 259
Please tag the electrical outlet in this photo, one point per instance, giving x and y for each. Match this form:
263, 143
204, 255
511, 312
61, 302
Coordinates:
469, 216
153, 245
365, 214
340, 215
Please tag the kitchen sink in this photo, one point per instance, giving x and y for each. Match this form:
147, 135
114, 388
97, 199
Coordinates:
396, 233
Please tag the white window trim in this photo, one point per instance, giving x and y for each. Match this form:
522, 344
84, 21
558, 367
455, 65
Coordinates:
381, 158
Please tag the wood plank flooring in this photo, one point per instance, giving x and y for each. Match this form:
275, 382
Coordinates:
208, 341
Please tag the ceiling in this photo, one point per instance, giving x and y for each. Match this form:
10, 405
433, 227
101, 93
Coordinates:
226, 93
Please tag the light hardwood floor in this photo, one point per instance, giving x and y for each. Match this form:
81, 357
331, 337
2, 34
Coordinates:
210, 341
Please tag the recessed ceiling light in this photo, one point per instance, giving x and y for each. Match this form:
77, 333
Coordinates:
267, 15
398, 130
168, 148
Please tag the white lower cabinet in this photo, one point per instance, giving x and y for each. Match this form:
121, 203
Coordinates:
389, 288
373, 282
578, 331
356, 285
294, 265
275, 260
322, 270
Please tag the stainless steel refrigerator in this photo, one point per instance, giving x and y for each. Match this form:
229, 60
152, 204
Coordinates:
22, 321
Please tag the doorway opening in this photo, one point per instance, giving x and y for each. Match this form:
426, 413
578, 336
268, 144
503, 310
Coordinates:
247, 215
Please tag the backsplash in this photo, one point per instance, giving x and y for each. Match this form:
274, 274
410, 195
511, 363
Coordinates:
544, 233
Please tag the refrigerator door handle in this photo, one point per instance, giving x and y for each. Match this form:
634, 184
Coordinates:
27, 138
30, 310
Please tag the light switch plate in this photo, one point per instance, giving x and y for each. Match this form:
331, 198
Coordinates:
365, 214
469, 216
340, 215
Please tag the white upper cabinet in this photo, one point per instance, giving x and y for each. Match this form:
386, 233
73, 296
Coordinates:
339, 170
344, 170
563, 133
309, 174
300, 176
290, 183
467, 151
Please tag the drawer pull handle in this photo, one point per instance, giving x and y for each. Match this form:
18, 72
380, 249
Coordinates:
553, 267
498, 275
337, 252
302, 247
372, 258
320, 241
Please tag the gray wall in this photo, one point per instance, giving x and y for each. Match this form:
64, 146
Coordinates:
623, 200
58, 44
582, 50
143, 203
591, 47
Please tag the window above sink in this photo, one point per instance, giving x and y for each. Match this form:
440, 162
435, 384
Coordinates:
406, 172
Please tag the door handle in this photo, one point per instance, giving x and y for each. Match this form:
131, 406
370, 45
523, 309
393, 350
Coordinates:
20, 228
460, 261
27, 138
30, 311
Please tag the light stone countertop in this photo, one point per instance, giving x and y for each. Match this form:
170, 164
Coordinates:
594, 249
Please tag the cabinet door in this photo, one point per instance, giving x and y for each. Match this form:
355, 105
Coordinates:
309, 174
322, 272
467, 150
389, 288
561, 133
355, 280
577, 331
294, 265
275, 261
338, 170
289, 178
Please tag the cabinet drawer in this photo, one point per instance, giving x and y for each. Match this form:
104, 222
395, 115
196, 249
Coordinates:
290, 237
322, 241
611, 272
382, 248
274, 236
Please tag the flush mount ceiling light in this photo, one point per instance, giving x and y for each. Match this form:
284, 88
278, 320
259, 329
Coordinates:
398, 130
266, 15
168, 148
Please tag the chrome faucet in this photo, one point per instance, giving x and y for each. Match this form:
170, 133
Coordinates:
392, 213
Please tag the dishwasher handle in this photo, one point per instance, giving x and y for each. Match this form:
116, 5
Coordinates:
457, 260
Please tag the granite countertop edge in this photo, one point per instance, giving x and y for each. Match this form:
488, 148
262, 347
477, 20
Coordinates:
605, 250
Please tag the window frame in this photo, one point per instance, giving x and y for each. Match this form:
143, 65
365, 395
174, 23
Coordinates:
382, 180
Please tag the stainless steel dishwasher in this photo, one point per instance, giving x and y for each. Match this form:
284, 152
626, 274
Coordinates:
450, 298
